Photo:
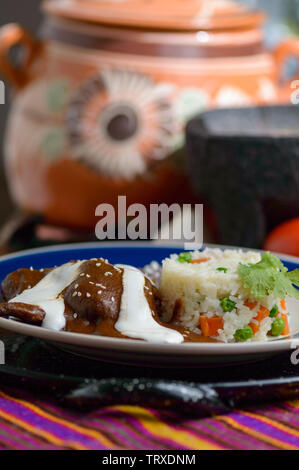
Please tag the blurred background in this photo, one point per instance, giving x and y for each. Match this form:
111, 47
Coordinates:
30, 16
283, 21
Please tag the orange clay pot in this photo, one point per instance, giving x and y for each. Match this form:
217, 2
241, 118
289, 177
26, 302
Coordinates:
103, 97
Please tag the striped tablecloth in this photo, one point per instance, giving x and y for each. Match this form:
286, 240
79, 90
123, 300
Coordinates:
30, 423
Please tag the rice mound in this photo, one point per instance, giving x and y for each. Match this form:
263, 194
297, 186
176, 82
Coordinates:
190, 291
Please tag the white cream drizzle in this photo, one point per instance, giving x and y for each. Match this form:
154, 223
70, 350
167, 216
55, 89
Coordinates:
135, 317
46, 294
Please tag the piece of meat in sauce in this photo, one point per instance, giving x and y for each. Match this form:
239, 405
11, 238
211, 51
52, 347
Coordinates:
92, 300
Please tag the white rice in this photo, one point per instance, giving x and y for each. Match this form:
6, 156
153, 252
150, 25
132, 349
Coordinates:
199, 289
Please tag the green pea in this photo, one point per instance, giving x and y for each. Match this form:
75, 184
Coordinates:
274, 311
185, 257
277, 327
244, 334
227, 305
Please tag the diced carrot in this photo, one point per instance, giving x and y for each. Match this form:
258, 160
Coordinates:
250, 305
255, 327
283, 304
198, 261
286, 330
210, 326
262, 313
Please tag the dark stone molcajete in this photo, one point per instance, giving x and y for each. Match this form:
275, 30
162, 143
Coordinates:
245, 162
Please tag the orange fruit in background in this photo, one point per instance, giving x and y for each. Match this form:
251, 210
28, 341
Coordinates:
284, 238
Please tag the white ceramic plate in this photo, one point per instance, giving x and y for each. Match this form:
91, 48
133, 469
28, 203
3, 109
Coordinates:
132, 351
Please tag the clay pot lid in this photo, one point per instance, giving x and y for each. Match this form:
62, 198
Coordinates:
158, 14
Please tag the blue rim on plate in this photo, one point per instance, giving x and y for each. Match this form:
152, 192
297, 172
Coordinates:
137, 254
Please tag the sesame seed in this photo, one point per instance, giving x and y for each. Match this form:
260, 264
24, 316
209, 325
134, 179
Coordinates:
90, 282
79, 294
101, 285
88, 294
88, 275
108, 273
99, 264
41, 270
75, 293
82, 274
76, 286
75, 315
113, 299
99, 292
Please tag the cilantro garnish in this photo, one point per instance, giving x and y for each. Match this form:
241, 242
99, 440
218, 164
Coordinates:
269, 276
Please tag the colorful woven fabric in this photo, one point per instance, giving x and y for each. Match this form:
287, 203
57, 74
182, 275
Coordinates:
27, 423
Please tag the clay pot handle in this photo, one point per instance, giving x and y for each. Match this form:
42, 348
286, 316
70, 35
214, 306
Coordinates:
14, 35
285, 50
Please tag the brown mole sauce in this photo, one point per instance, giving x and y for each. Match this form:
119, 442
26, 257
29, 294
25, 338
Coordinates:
92, 300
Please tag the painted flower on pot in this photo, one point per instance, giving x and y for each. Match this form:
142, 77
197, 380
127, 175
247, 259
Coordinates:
229, 96
189, 102
121, 122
